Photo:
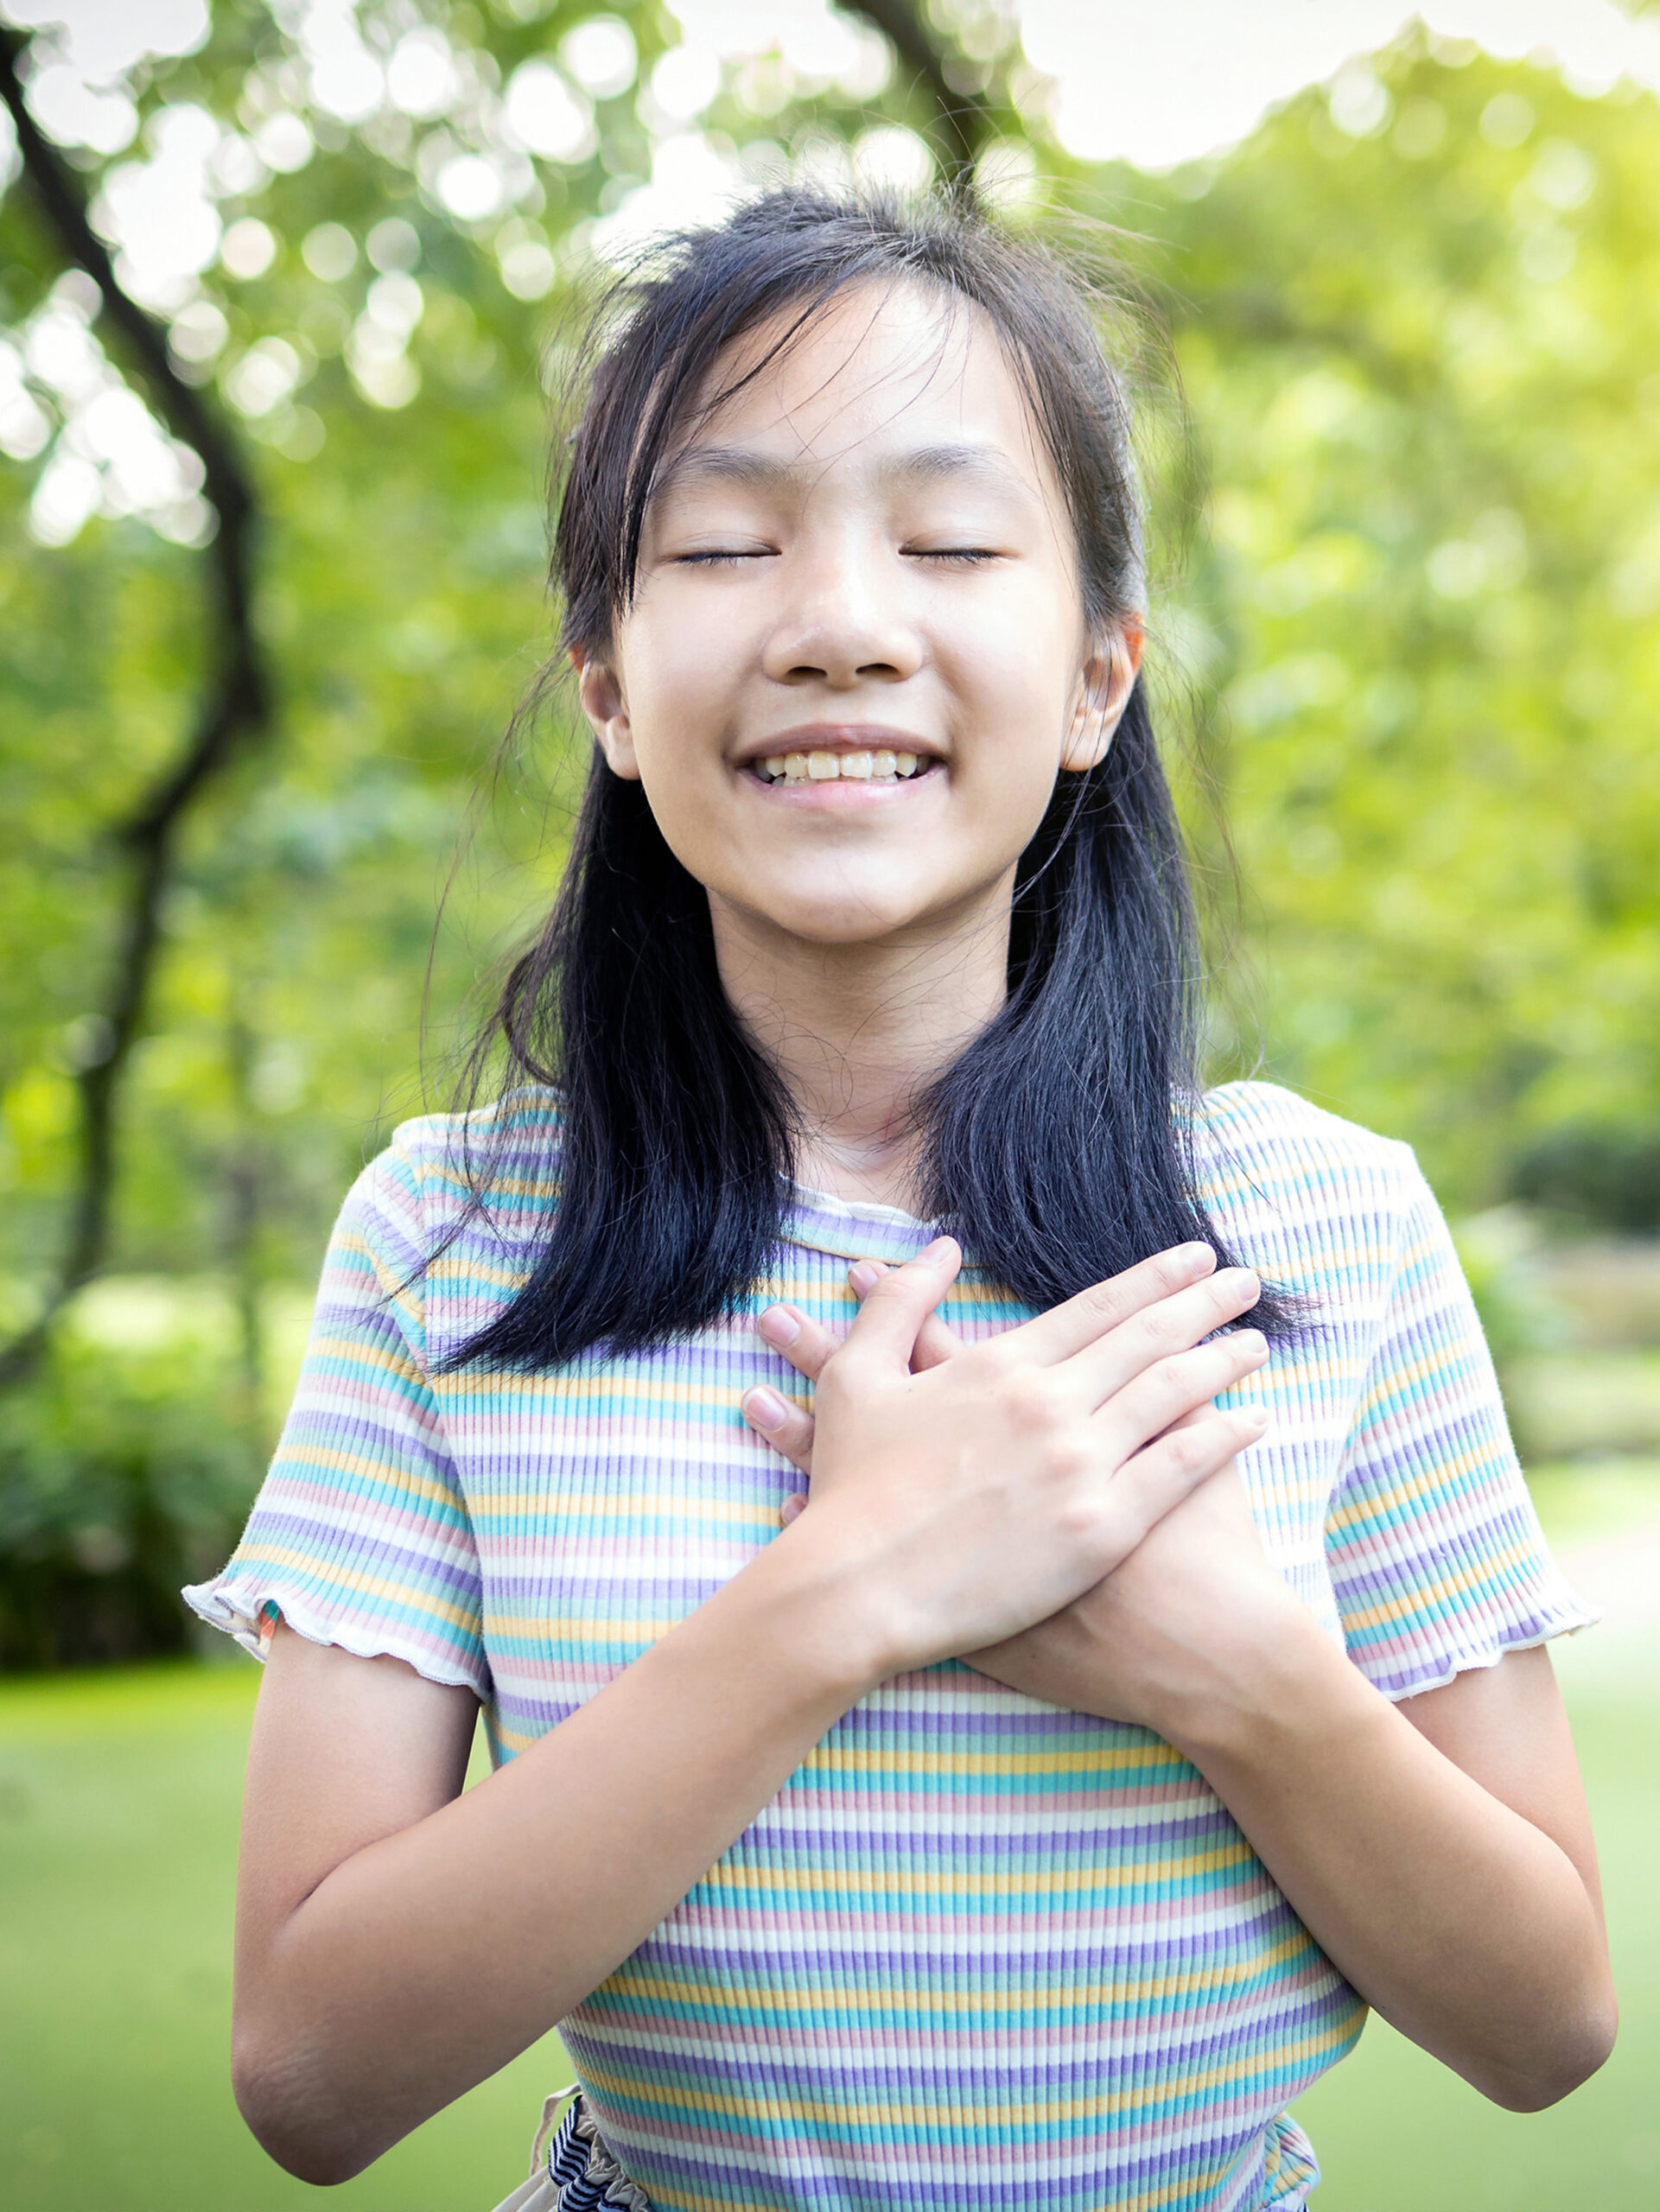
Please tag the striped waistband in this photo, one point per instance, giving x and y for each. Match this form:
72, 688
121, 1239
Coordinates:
584, 2170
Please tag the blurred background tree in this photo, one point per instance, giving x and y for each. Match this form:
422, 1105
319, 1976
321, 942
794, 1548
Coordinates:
1412, 641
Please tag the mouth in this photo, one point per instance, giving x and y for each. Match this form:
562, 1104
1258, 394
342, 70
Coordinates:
876, 765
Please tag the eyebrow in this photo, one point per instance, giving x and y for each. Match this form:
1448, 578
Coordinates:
760, 472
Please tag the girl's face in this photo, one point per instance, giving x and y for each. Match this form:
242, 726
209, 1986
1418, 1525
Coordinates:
857, 657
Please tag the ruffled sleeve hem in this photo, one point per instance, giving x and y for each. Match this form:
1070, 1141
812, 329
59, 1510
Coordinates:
248, 1610
1420, 1670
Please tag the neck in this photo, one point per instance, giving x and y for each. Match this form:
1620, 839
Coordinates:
859, 1031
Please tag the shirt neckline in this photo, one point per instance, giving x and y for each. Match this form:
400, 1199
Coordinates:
852, 1228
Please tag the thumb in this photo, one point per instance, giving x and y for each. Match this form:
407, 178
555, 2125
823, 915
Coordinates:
898, 1302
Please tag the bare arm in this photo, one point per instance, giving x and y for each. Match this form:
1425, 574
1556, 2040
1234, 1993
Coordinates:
1438, 1850
397, 1942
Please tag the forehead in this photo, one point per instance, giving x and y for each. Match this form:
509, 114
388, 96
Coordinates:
876, 370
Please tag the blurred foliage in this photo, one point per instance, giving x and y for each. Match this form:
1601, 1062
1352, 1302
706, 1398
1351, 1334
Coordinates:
1588, 1173
1413, 641
1497, 1251
1424, 363
123, 1473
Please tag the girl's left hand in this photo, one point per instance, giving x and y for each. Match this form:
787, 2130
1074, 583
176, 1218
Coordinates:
1178, 1622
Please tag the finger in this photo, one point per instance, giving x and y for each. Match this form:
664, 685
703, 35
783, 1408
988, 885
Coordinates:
807, 1344
786, 1427
897, 1304
1066, 1328
1174, 1466
793, 1508
1198, 1414
1172, 1324
1155, 1400
936, 1341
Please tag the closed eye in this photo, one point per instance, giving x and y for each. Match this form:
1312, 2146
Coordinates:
721, 556
959, 556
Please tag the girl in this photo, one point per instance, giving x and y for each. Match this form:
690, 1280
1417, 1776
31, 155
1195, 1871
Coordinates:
1138, 1697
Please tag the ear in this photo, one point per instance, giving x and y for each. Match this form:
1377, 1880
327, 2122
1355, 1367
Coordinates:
1104, 684
601, 691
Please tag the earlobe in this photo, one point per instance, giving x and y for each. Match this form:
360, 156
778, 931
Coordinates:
601, 695
1091, 733
1105, 686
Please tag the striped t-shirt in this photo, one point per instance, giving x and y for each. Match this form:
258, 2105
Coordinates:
979, 1954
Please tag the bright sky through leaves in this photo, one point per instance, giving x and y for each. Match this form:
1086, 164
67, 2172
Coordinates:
1161, 85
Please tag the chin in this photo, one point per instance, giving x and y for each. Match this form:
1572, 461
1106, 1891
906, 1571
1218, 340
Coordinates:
837, 913
842, 926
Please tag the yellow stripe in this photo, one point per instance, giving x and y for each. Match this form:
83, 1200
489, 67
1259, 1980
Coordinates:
374, 1585
1212, 2080
1405, 1500
683, 1989
1428, 1595
293, 1457
355, 1353
1027, 1882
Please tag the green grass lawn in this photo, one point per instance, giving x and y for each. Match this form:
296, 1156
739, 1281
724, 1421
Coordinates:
117, 1831
118, 1803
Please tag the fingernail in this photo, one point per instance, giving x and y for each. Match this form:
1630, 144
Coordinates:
1254, 1417
1242, 1279
938, 1248
1251, 1340
792, 1510
1194, 1257
864, 1275
765, 1409
778, 1326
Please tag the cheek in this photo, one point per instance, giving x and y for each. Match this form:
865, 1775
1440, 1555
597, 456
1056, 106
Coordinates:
678, 678
1015, 676
674, 670
687, 804
678, 705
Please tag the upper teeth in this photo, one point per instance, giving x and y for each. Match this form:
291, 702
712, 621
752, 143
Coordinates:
825, 768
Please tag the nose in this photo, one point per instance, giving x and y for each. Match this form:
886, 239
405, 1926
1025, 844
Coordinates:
844, 621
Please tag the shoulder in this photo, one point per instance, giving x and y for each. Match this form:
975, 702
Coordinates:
1319, 1199
441, 1170
1264, 1130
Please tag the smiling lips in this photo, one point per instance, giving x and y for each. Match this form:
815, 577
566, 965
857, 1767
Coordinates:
877, 767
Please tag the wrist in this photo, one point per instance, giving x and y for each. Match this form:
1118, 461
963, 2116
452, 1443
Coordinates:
1275, 1679
821, 1615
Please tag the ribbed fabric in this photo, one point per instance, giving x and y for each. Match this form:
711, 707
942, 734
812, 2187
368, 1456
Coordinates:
979, 1954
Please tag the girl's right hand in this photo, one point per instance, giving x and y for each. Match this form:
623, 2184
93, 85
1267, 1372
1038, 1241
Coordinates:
968, 1501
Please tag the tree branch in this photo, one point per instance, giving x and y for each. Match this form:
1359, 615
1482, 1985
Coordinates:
963, 121
235, 705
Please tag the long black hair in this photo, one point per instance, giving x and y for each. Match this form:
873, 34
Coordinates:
1057, 1149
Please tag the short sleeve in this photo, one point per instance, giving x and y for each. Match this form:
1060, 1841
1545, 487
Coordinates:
359, 1536
1435, 1551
